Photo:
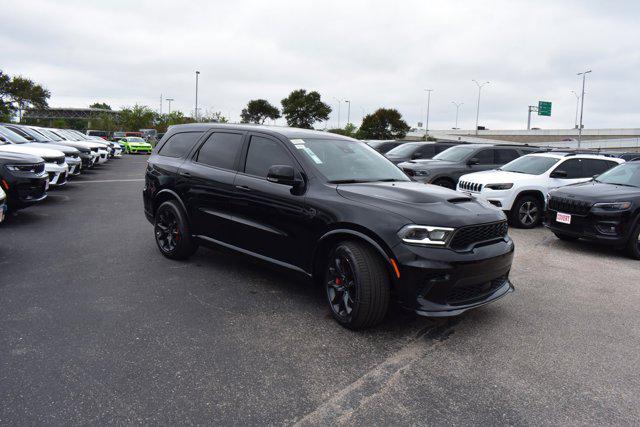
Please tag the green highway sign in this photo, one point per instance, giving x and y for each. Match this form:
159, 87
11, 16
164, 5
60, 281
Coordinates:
544, 108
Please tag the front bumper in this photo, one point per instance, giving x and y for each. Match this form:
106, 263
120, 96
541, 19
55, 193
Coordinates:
75, 165
3, 210
23, 191
117, 152
613, 228
58, 174
502, 199
103, 157
439, 282
136, 150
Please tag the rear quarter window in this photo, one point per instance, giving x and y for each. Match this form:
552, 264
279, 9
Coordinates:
179, 145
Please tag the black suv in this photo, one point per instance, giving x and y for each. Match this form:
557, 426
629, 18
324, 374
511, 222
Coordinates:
606, 209
384, 146
417, 150
23, 179
446, 168
331, 208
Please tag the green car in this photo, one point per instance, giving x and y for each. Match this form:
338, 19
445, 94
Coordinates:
135, 144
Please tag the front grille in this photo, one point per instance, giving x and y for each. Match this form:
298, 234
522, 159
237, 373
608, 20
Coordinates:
467, 294
468, 237
62, 179
57, 160
94, 149
29, 191
470, 186
39, 168
570, 206
51, 176
409, 172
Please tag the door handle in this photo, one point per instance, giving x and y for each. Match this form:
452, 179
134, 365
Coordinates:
185, 173
243, 188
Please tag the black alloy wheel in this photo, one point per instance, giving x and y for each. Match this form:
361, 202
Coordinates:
526, 212
172, 231
633, 247
357, 285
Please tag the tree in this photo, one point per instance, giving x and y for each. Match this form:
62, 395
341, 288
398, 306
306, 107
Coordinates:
21, 93
137, 117
174, 118
259, 110
349, 130
101, 105
385, 123
6, 109
302, 109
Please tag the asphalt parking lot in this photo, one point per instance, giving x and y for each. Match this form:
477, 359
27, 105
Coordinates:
97, 327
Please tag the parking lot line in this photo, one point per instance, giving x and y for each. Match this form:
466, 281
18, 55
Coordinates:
109, 180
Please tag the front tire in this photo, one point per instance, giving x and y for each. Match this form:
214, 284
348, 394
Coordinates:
357, 285
526, 212
172, 233
633, 247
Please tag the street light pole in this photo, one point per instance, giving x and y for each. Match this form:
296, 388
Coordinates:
478, 107
339, 104
196, 111
426, 125
458, 105
584, 76
169, 101
348, 111
575, 122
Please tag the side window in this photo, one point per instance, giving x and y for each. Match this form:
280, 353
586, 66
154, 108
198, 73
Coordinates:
485, 157
596, 167
179, 144
425, 152
504, 156
220, 150
264, 153
441, 148
573, 168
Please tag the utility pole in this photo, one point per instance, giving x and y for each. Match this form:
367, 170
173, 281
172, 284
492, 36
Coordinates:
169, 101
196, 112
478, 107
160, 104
575, 122
348, 111
458, 105
426, 125
584, 76
339, 104
531, 108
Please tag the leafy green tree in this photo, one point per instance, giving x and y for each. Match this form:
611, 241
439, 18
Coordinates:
349, 130
173, 118
24, 93
302, 109
101, 105
385, 123
6, 109
259, 110
137, 117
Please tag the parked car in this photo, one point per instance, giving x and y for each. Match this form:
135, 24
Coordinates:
80, 137
135, 145
23, 178
3, 205
621, 155
117, 136
520, 188
55, 164
417, 150
101, 149
605, 209
331, 208
103, 134
42, 135
383, 147
447, 167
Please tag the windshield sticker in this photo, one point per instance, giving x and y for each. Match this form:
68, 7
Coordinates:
297, 141
311, 154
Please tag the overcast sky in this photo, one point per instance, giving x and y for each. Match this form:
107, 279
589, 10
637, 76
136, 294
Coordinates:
374, 53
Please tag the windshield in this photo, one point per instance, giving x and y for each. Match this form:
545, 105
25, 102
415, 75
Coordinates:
66, 134
340, 160
455, 154
12, 136
135, 139
47, 133
404, 149
625, 174
532, 165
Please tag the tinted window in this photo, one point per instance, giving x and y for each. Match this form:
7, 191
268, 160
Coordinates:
532, 165
404, 149
504, 156
624, 174
455, 154
573, 168
485, 157
440, 148
179, 144
220, 150
425, 152
596, 167
264, 153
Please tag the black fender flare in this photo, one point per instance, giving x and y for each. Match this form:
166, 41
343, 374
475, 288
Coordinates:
175, 196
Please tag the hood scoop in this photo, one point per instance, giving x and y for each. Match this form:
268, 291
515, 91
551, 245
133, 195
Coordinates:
459, 200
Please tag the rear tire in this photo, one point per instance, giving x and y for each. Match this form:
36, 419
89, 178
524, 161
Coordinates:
565, 237
526, 212
444, 182
633, 247
172, 233
357, 285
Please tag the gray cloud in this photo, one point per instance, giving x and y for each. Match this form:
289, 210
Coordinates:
372, 52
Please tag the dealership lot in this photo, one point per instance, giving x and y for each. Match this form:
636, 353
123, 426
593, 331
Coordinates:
96, 326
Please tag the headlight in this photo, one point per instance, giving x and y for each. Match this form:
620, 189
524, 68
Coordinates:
505, 186
421, 173
425, 235
21, 168
617, 206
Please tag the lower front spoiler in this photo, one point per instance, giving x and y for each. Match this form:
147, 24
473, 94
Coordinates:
450, 311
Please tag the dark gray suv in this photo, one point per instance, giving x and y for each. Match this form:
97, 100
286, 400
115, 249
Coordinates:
448, 166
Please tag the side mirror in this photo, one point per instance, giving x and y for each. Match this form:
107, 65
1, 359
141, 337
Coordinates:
284, 174
558, 174
595, 176
473, 161
415, 156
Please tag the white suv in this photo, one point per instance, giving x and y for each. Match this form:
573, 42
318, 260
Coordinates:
520, 187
